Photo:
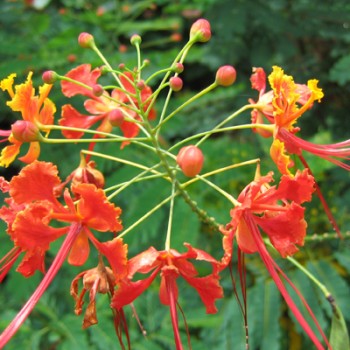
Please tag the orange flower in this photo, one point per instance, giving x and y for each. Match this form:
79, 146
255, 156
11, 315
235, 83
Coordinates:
282, 107
101, 107
38, 110
33, 204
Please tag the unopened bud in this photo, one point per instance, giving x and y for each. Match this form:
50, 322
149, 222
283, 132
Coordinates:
176, 83
225, 76
121, 66
141, 85
178, 67
146, 62
200, 31
135, 39
116, 117
50, 77
104, 69
190, 159
86, 173
97, 90
86, 40
25, 131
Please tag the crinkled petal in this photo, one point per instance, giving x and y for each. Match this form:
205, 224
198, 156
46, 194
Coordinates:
83, 74
298, 189
128, 291
280, 157
116, 253
35, 182
33, 260
31, 228
258, 79
208, 288
143, 262
286, 229
74, 119
95, 209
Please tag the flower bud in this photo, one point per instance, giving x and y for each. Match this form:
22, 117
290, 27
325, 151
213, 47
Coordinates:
116, 117
50, 77
97, 90
176, 83
146, 62
25, 131
86, 173
200, 31
141, 85
190, 159
86, 40
225, 76
135, 39
178, 67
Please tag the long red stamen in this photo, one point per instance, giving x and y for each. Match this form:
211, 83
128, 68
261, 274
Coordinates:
271, 267
323, 201
173, 311
7, 261
22, 315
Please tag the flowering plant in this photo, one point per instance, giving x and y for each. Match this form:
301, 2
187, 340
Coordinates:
125, 108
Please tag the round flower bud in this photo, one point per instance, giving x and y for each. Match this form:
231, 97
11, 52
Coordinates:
225, 76
176, 83
97, 90
200, 31
25, 131
178, 67
86, 40
135, 39
190, 159
50, 77
116, 117
141, 85
88, 174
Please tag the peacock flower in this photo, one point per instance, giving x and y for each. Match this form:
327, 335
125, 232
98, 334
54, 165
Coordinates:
282, 106
33, 203
170, 265
102, 107
278, 212
36, 110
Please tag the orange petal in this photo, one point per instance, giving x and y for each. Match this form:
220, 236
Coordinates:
9, 153
32, 154
280, 157
80, 250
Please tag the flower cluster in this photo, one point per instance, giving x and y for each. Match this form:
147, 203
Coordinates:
40, 208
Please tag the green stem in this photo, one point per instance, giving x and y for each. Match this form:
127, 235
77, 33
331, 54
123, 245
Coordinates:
226, 120
185, 104
320, 285
170, 221
144, 217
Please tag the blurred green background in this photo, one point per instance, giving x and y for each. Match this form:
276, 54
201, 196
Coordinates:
308, 39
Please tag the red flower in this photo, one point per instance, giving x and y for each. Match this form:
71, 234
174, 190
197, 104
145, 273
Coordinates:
36, 111
277, 211
100, 107
33, 204
170, 265
282, 106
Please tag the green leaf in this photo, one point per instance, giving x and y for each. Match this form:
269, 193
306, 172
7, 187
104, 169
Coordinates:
339, 338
